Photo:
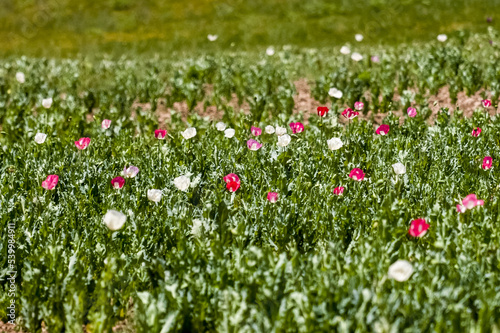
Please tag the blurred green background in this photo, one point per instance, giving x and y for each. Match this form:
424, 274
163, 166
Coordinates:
60, 28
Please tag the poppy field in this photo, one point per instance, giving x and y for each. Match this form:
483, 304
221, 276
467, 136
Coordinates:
202, 195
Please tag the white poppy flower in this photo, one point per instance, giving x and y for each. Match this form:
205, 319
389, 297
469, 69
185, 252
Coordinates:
269, 129
284, 140
356, 56
154, 195
40, 138
20, 77
114, 219
280, 131
220, 126
189, 133
400, 271
229, 133
182, 183
358, 37
334, 143
270, 51
345, 50
399, 168
212, 38
47, 102
442, 38
334, 92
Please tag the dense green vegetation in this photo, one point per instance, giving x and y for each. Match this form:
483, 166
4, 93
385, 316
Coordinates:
68, 27
206, 259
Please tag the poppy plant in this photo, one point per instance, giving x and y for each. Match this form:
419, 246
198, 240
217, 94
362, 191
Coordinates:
338, 190
253, 145
272, 197
256, 131
322, 111
297, 127
105, 124
232, 177
82, 143
383, 129
160, 134
412, 112
418, 228
487, 163
476, 132
357, 174
486, 103
349, 114
118, 182
359, 106
51, 182
469, 202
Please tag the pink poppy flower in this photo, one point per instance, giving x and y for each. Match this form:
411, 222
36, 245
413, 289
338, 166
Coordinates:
297, 127
357, 174
487, 163
51, 182
118, 182
272, 197
131, 171
375, 59
232, 177
160, 134
339, 190
253, 145
349, 114
476, 132
106, 123
418, 228
469, 202
232, 186
412, 112
383, 129
256, 131
322, 111
486, 103
359, 106
82, 143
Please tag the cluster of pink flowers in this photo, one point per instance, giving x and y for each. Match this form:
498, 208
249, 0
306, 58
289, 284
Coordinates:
469, 202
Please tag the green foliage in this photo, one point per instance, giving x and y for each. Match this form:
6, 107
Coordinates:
210, 260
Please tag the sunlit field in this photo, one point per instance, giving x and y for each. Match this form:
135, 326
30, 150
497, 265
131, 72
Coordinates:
351, 187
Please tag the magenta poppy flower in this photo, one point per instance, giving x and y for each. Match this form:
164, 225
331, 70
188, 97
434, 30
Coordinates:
253, 145
160, 134
297, 127
82, 143
118, 182
106, 123
349, 114
256, 131
339, 190
357, 174
51, 182
322, 111
469, 202
232, 177
412, 112
233, 186
486, 103
383, 129
487, 163
359, 106
476, 132
272, 197
418, 228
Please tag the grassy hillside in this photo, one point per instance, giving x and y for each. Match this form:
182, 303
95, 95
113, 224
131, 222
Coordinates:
68, 27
